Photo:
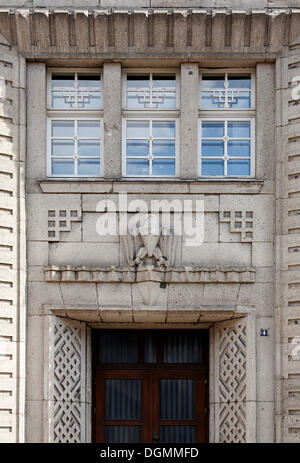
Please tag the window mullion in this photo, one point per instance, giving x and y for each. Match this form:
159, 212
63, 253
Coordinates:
225, 147
150, 146
76, 148
226, 91
76, 90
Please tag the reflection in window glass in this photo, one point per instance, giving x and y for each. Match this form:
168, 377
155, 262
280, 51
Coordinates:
151, 91
138, 129
75, 91
163, 129
163, 167
139, 167
163, 148
88, 148
150, 147
63, 128
226, 148
226, 91
238, 167
63, 147
212, 129
75, 147
88, 167
62, 167
138, 148
239, 129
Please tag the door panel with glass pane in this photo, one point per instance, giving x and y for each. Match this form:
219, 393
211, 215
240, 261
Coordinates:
150, 386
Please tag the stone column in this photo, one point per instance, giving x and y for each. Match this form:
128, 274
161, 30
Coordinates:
189, 102
265, 169
265, 121
112, 120
37, 252
36, 126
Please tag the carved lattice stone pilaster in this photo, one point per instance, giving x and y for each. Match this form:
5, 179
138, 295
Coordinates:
232, 383
67, 382
235, 381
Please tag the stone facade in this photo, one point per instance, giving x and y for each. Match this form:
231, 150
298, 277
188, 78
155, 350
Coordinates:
242, 279
12, 243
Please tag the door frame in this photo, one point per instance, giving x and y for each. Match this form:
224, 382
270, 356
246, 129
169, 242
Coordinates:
150, 373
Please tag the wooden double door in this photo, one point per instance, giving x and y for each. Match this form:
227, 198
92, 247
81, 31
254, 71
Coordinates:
150, 386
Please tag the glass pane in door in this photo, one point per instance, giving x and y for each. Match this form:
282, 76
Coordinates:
118, 348
123, 399
177, 399
177, 434
182, 348
122, 434
150, 348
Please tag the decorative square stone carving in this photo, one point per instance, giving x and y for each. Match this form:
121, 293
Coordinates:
59, 220
239, 222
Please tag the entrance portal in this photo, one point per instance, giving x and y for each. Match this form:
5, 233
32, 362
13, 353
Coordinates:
150, 386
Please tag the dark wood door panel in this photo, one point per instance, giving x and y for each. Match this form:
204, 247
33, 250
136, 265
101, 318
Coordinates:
127, 399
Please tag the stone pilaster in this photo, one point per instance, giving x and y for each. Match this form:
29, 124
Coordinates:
287, 248
189, 103
112, 120
12, 244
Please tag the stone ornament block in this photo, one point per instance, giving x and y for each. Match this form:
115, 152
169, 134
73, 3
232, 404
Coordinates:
239, 222
234, 380
60, 220
67, 404
114, 274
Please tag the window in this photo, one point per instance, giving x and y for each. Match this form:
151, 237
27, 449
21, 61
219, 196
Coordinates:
226, 146
75, 123
151, 91
75, 146
227, 124
150, 147
150, 125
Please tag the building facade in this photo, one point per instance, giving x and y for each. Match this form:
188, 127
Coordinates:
112, 330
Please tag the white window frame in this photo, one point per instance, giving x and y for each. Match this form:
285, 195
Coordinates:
49, 139
227, 71
73, 114
76, 71
124, 143
151, 71
228, 114
252, 146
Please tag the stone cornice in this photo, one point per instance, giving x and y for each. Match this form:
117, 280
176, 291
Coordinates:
152, 33
201, 186
72, 274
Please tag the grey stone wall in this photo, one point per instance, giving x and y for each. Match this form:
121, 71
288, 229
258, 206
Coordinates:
235, 275
12, 243
123, 304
